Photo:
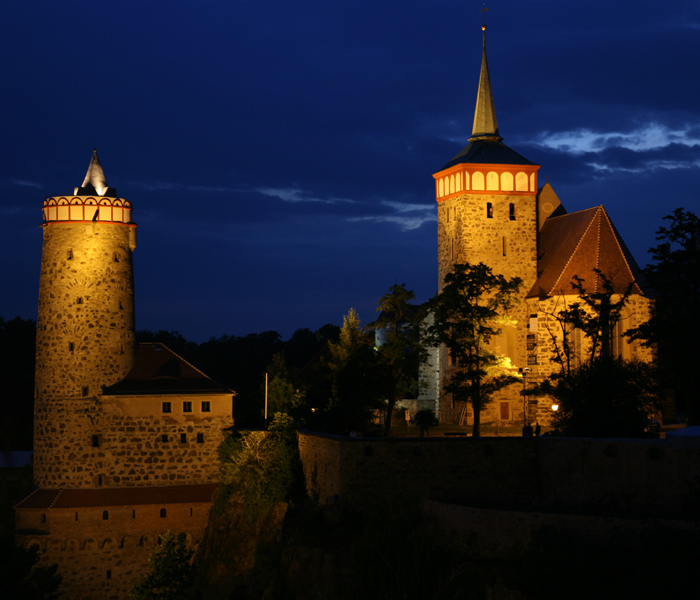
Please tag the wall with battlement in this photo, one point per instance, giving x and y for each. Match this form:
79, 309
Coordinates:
614, 477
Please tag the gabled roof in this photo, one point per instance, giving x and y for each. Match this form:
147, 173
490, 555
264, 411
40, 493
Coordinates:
575, 244
158, 370
41, 498
95, 182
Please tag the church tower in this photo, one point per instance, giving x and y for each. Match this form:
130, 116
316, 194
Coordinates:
85, 327
487, 212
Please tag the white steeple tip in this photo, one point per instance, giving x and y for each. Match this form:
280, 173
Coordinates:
95, 182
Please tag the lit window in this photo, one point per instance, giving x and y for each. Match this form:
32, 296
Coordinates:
167, 407
206, 406
186, 407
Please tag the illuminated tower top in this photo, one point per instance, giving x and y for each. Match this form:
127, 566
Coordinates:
94, 201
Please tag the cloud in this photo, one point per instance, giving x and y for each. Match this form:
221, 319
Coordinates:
297, 195
407, 216
25, 183
648, 137
652, 165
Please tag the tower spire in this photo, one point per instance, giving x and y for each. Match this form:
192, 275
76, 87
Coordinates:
485, 123
95, 181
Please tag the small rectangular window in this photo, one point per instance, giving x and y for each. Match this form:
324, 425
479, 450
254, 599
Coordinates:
183, 438
186, 407
200, 438
511, 212
531, 341
95, 441
86, 392
206, 406
71, 346
489, 210
167, 407
164, 438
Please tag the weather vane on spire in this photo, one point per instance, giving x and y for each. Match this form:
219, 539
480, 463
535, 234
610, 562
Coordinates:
484, 11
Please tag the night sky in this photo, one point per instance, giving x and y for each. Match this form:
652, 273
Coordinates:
279, 156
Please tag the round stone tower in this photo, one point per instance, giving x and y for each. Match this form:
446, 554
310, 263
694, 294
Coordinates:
85, 327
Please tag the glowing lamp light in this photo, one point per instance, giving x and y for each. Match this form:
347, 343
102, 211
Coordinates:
555, 407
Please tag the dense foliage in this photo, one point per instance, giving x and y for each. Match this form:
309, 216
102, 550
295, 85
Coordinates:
21, 575
599, 395
263, 466
171, 570
674, 277
467, 313
401, 349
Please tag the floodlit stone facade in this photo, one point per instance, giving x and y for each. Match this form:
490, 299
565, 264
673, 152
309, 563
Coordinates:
492, 210
125, 437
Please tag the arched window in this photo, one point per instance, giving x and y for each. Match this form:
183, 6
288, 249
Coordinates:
163, 513
105, 515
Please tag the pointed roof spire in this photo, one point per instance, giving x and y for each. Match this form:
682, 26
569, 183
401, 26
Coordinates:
95, 182
485, 123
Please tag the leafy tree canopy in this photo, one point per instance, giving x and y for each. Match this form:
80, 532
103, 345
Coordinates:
171, 570
401, 349
467, 313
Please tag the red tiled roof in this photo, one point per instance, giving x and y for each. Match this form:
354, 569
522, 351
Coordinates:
158, 370
575, 244
41, 498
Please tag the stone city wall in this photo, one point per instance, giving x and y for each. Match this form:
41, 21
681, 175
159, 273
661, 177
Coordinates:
615, 477
91, 446
102, 558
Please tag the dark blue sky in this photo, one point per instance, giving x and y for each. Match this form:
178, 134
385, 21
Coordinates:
279, 156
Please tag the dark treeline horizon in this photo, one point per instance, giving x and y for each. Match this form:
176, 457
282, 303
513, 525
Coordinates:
237, 362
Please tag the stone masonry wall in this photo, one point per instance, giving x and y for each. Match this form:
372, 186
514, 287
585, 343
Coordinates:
131, 450
101, 559
85, 330
85, 336
509, 247
643, 478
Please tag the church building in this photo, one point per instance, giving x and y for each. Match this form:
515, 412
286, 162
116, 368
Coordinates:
492, 209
